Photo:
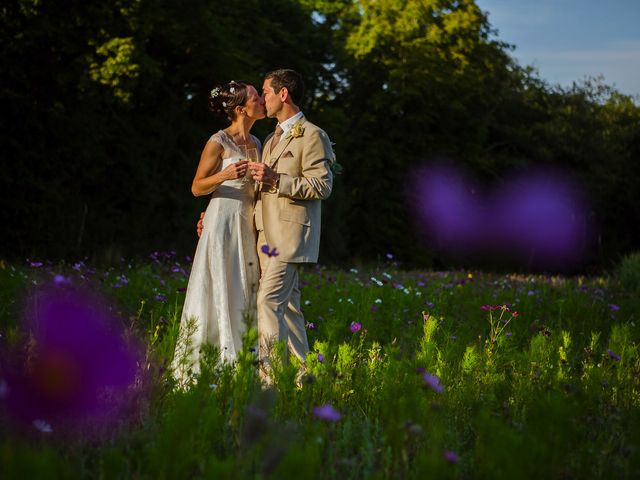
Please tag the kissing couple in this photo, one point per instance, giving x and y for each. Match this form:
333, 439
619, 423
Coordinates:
261, 224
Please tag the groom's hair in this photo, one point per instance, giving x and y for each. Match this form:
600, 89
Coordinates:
289, 79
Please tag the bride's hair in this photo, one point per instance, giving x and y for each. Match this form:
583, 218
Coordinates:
224, 98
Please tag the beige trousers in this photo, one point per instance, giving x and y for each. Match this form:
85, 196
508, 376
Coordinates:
279, 315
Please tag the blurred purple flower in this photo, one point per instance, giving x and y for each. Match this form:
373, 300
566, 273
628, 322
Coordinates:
539, 217
613, 307
181, 289
432, 382
79, 368
42, 426
61, 280
374, 308
320, 358
310, 326
450, 456
36, 264
389, 256
271, 253
160, 297
355, 327
327, 413
612, 355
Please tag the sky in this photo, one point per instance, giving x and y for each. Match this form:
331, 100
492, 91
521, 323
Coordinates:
568, 40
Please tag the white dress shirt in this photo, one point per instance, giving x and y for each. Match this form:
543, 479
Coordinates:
287, 124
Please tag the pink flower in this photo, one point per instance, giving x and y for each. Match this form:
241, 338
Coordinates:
355, 327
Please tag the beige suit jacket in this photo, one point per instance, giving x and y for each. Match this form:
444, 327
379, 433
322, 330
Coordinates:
290, 218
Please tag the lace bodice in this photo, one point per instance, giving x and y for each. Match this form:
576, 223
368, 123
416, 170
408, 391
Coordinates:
232, 152
231, 149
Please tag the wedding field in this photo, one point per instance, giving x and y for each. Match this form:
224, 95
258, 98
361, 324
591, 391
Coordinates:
412, 374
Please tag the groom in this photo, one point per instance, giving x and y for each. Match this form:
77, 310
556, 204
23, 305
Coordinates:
293, 177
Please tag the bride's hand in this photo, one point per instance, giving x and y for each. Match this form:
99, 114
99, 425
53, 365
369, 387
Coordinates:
200, 225
236, 170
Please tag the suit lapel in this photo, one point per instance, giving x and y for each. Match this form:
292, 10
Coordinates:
272, 158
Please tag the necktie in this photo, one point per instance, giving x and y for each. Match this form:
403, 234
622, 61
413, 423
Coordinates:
276, 138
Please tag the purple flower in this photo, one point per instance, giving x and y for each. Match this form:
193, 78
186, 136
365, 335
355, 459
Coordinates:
181, 289
160, 297
610, 354
311, 326
432, 382
374, 308
36, 264
327, 413
320, 358
450, 456
61, 280
614, 307
389, 256
271, 253
355, 327
80, 367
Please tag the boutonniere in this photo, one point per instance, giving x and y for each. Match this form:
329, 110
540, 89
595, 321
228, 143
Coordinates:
295, 132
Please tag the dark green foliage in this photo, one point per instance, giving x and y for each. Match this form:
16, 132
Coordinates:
104, 117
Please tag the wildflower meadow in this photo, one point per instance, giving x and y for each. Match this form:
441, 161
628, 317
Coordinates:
412, 374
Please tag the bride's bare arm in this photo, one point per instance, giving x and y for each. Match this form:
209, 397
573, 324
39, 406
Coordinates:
205, 181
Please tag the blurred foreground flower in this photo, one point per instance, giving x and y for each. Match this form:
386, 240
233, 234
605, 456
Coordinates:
77, 368
538, 218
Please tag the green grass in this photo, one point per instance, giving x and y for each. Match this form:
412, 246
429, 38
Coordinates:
552, 394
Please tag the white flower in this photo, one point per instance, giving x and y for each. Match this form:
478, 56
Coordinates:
213, 386
232, 90
215, 92
377, 300
42, 426
224, 104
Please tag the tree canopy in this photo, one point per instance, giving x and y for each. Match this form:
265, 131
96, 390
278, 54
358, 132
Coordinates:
104, 116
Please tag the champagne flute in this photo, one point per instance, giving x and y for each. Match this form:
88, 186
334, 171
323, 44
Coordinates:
251, 154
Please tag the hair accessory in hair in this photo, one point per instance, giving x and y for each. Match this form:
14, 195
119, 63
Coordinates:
215, 92
224, 104
232, 90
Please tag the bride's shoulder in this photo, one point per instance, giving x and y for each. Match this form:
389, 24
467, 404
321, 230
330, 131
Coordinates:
218, 137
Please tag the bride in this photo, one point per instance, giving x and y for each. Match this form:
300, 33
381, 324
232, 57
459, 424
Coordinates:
224, 277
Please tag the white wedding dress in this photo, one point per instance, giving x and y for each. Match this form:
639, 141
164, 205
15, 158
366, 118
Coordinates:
223, 284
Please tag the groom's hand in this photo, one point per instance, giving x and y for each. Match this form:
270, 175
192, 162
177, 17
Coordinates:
200, 225
262, 174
